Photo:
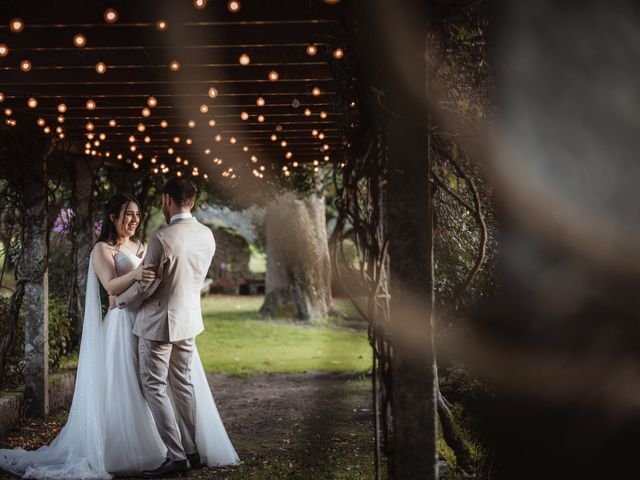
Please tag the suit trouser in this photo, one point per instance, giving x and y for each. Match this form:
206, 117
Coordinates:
163, 364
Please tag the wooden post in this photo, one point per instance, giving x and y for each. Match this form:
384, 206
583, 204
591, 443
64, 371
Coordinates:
33, 270
397, 35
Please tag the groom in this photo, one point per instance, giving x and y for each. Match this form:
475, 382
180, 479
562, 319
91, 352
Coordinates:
169, 320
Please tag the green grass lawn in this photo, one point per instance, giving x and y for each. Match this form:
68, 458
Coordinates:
237, 340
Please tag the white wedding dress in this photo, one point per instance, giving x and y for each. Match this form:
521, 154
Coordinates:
110, 429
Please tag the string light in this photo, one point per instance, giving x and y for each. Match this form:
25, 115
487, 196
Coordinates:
141, 128
233, 6
152, 102
338, 53
176, 139
327, 158
199, 4
260, 102
91, 104
102, 136
295, 164
174, 65
244, 59
245, 148
283, 143
164, 124
4, 50
188, 141
62, 108
79, 40
321, 136
133, 148
89, 126
101, 67
307, 112
162, 25
204, 108
323, 115
212, 123
314, 132
112, 122
110, 15
25, 65
233, 140
46, 129
32, 102
132, 139
170, 150
8, 112
261, 118
16, 25
191, 124
288, 155
59, 130
315, 91
145, 112
274, 137
273, 76
41, 122
213, 92
218, 138
311, 50
147, 139
244, 116
60, 119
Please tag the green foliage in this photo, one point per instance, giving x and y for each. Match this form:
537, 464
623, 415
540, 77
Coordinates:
60, 333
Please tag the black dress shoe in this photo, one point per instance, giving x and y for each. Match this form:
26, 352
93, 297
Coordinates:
194, 461
168, 467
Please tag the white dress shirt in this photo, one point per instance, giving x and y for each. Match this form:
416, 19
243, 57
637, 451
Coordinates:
180, 216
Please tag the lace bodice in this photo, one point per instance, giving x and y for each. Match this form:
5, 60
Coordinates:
126, 261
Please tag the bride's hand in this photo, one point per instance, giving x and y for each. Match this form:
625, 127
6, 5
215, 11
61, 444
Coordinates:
144, 274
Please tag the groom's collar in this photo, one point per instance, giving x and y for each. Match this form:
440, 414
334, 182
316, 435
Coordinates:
180, 216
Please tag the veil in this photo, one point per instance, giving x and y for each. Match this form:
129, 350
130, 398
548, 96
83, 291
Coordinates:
78, 451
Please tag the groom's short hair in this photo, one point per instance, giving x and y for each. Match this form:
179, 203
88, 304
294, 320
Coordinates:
181, 190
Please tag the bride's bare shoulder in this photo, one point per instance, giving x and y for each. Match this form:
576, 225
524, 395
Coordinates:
102, 250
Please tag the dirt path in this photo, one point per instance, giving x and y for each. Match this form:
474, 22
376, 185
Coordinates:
302, 426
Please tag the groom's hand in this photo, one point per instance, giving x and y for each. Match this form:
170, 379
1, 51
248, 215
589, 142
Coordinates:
112, 302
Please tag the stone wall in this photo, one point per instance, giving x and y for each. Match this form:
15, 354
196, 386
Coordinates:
12, 409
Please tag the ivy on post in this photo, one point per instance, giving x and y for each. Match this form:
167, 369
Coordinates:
33, 272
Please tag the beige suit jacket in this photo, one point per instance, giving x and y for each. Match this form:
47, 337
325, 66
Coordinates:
169, 310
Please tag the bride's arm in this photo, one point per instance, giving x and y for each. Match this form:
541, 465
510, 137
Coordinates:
105, 267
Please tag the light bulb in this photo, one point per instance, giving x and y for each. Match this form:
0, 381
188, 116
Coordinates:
191, 124
233, 6
4, 50
174, 65
260, 118
79, 40
199, 4
260, 102
152, 102
141, 127
162, 25
164, 124
213, 92
338, 53
145, 112
110, 15
112, 123
101, 67
273, 76
212, 123
25, 65
244, 116
315, 91
312, 50
16, 25
32, 102
91, 104
204, 108
244, 59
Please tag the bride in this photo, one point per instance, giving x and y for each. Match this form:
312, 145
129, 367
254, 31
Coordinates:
110, 429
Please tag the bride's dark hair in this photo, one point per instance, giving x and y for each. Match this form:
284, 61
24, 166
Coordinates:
108, 232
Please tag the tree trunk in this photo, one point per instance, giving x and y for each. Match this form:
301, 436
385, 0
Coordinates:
83, 234
298, 280
33, 271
